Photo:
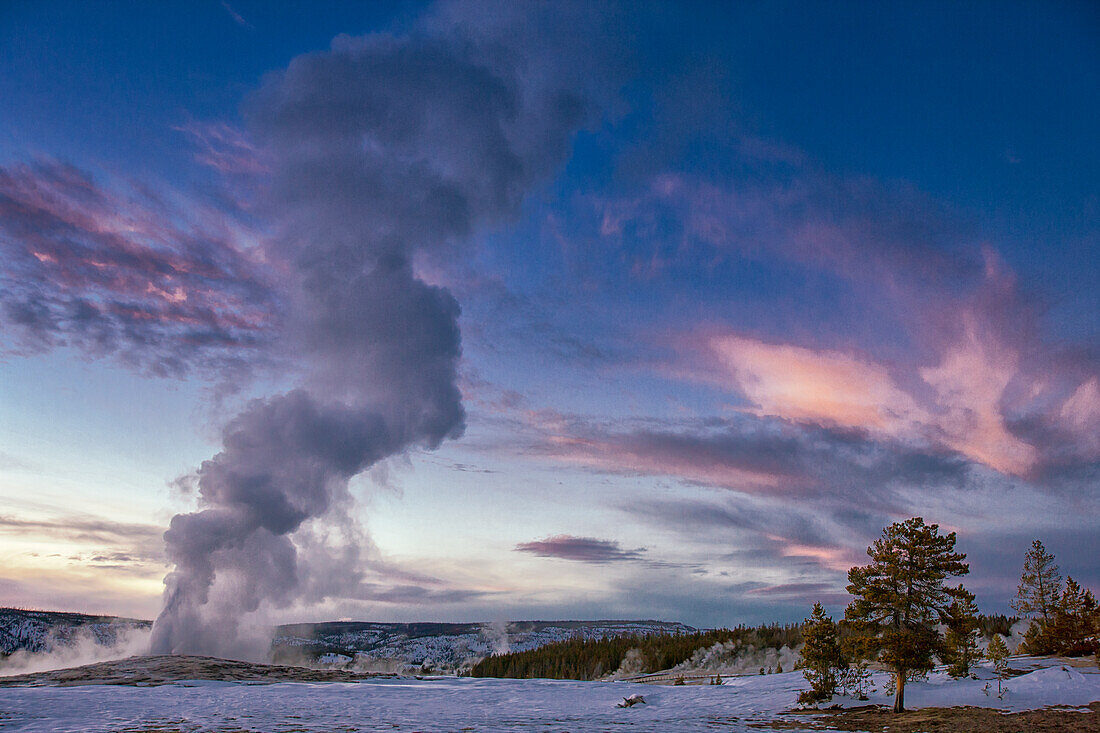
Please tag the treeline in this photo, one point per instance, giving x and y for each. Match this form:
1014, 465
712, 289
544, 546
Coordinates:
996, 623
589, 659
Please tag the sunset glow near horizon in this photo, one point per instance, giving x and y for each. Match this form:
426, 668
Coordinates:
739, 286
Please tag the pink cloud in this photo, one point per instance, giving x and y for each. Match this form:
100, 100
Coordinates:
832, 557
969, 384
958, 405
1080, 413
817, 385
123, 271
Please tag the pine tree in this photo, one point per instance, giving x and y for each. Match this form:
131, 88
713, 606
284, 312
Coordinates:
901, 595
1039, 639
997, 651
820, 656
1039, 584
1096, 631
961, 640
1071, 631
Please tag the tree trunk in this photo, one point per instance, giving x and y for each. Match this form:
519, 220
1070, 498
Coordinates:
899, 696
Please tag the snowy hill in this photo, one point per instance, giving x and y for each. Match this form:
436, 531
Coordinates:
43, 631
443, 646
336, 643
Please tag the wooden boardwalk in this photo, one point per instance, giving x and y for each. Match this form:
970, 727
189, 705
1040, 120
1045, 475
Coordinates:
667, 678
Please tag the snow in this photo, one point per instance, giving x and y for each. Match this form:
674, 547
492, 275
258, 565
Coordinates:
334, 659
43, 631
1053, 682
449, 703
444, 704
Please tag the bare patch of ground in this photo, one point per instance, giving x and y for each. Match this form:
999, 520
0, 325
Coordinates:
166, 669
873, 719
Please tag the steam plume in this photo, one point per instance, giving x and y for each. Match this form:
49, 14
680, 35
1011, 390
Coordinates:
380, 148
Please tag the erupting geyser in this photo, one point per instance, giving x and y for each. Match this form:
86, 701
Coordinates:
380, 148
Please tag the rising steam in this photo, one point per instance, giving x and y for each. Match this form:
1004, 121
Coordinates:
380, 148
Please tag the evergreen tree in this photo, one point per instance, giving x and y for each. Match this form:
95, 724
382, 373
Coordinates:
900, 596
1071, 631
1096, 632
1039, 639
997, 651
961, 640
820, 656
1040, 582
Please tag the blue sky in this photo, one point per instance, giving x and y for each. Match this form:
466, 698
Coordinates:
735, 286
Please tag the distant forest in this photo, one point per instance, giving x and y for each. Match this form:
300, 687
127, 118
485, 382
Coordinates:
589, 659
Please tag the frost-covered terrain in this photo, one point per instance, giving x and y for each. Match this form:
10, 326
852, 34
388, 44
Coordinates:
72, 638
451, 704
42, 631
447, 704
1045, 681
445, 646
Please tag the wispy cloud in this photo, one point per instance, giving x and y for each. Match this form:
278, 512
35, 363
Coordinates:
82, 528
127, 274
580, 549
964, 402
224, 148
237, 17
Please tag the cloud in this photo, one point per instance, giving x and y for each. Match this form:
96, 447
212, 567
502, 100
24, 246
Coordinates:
579, 549
893, 320
800, 383
989, 387
162, 288
85, 528
969, 384
885, 236
752, 455
224, 148
823, 592
960, 408
237, 18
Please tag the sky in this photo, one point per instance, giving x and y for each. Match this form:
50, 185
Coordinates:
477, 311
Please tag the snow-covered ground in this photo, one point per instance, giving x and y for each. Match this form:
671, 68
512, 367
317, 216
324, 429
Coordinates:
447, 704
1050, 682
451, 704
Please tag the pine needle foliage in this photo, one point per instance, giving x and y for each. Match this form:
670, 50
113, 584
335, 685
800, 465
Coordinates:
1037, 594
1073, 628
960, 648
900, 596
997, 651
820, 657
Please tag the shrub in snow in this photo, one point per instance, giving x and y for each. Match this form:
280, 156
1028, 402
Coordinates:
998, 654
821, 657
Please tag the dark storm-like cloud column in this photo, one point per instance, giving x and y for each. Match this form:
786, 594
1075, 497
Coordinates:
380, 148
